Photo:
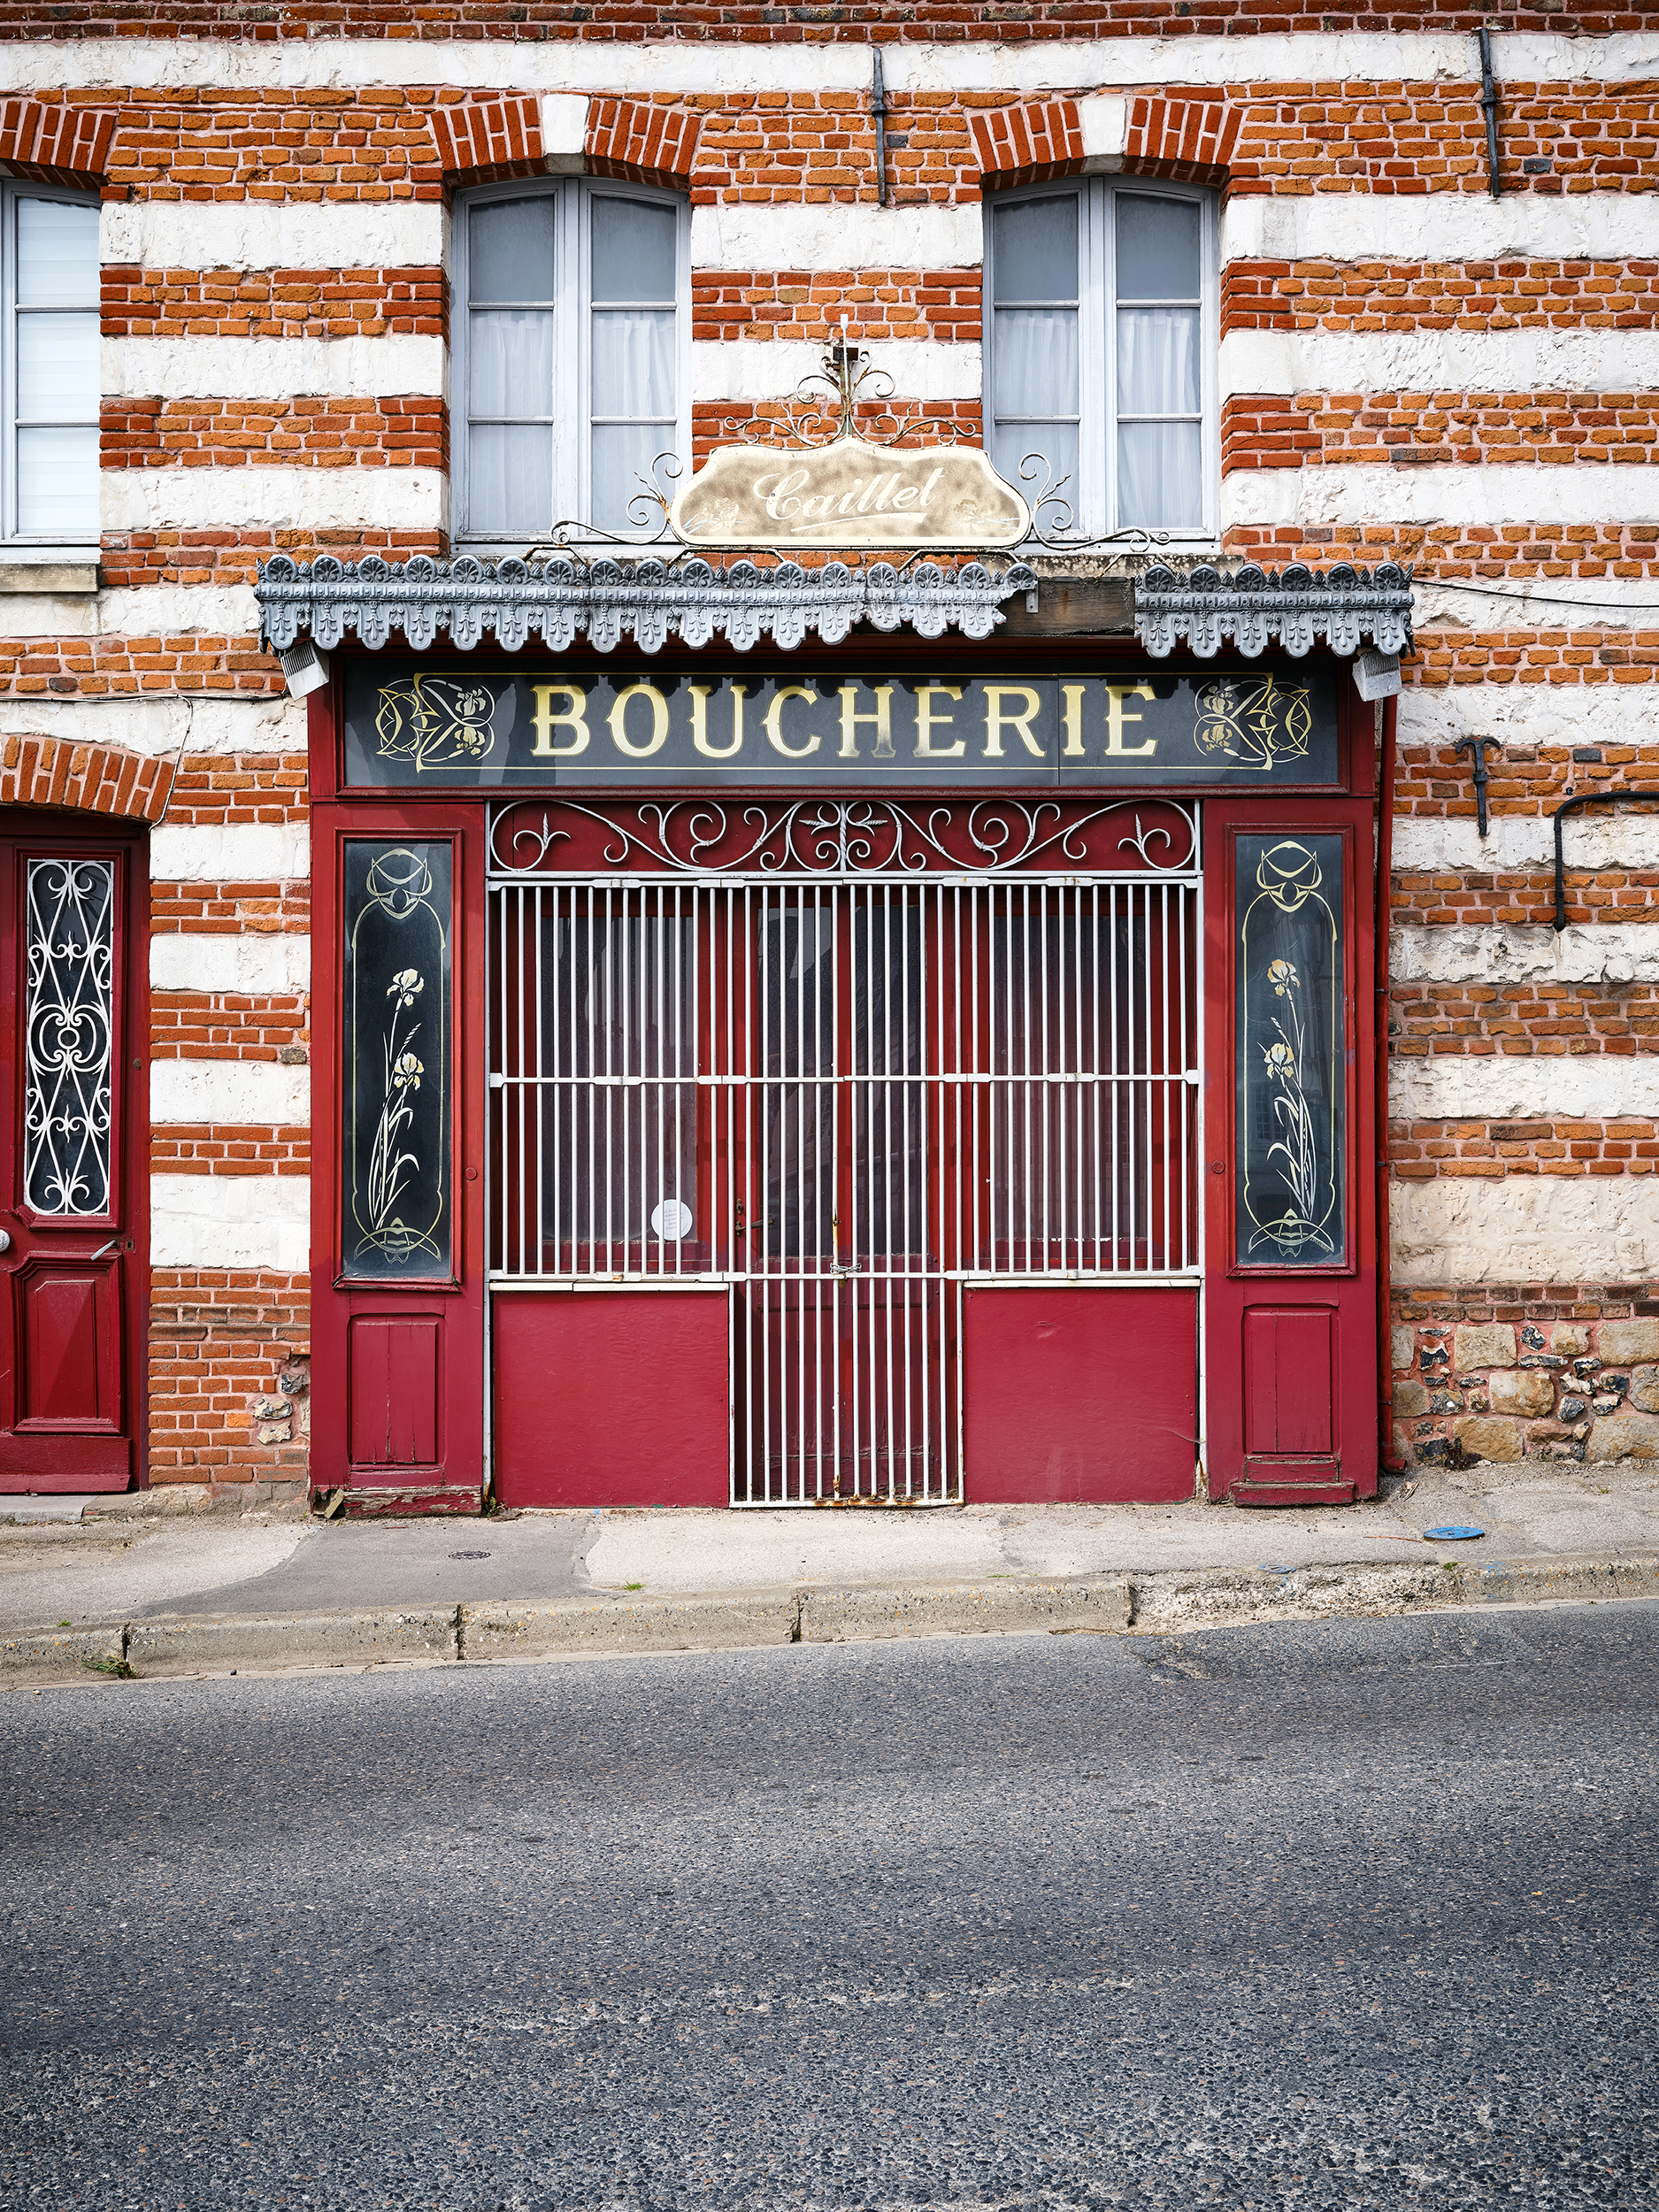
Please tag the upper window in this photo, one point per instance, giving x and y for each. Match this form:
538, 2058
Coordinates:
49, 368
1100, 343
571, 355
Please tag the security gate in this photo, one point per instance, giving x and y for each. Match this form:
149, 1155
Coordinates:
835, 1066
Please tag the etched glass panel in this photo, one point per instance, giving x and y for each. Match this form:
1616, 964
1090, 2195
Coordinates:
1291, 1087
68, 1026
399, 903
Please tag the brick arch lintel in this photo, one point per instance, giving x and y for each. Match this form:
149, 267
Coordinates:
55, 141
1187, 139
90, 779
486, 137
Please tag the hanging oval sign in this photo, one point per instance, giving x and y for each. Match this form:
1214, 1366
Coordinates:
848, 494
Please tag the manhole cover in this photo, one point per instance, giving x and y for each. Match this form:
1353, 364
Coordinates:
469, 1555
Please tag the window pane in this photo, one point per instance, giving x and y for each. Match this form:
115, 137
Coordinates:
1034, 244
57, 368
57, 253
1053, 442
633, 250
510, 250
633, 365
510, 481
622, 454
58, 483
1157, 361
1160, 475
510, 364
1035, 364
1158, 248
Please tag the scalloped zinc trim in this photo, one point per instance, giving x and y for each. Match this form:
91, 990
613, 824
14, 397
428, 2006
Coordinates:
604, 599
1203, 608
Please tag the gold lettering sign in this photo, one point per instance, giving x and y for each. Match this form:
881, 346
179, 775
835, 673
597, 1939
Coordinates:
851, 494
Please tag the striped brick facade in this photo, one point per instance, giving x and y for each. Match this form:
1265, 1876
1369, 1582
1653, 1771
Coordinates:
1411, 370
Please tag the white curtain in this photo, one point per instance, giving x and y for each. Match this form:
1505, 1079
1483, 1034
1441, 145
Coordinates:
1160, 463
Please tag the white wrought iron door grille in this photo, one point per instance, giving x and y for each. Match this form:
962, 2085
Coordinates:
841, 1095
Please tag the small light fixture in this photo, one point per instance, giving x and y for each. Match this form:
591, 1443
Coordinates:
304, 667
1376, 675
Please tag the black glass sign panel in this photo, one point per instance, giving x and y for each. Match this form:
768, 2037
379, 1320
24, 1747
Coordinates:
1290, 1078
1229, 728
395, 1224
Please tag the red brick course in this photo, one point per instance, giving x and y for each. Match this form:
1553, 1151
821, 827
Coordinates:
1421, 1151
1522, 899
141, 303
234, 909
334, 432
1030, 140
1568, 429
228, 1026
1392, 295
757, 303
221, 1343
229, 1149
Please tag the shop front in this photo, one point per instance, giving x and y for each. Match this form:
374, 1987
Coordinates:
900, 1064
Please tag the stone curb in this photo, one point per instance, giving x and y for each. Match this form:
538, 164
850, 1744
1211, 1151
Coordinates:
1155, 1603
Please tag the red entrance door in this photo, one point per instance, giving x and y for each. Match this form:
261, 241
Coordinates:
1291, 1294
73, 1190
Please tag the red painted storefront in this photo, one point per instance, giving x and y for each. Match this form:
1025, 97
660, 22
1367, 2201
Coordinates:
802, 1141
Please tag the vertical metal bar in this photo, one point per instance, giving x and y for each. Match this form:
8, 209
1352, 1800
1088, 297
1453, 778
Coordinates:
800, 1178
839, 1287
1166, 1118
523, 1087
542, 1096
1118, 1089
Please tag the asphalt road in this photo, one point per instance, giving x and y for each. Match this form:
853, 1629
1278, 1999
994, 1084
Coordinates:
1359, 1914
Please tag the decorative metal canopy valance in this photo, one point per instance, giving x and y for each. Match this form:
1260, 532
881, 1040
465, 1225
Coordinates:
603, 599
1202, 608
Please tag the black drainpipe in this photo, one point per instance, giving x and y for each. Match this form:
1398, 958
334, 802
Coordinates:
1489, 103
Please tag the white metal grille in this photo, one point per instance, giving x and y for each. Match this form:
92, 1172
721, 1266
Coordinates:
840, 1100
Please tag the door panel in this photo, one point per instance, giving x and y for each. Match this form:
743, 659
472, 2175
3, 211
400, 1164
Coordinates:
1291, 1233
397, 1194
73, 1177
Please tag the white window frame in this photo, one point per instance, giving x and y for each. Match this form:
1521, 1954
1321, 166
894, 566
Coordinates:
572, 340
12, 190
1093, 498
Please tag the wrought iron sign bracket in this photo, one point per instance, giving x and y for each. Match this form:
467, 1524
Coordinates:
1574, 806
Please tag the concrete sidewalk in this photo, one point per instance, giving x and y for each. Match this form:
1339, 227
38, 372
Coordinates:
96, 1585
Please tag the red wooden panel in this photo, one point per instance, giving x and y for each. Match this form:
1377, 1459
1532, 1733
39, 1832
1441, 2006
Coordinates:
610, 1398
1080, 1396
393, 1389
68, 1365
1289, 1381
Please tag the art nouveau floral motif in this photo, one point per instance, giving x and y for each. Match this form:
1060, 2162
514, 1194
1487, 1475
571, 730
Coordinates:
397, 1136
1291, 1091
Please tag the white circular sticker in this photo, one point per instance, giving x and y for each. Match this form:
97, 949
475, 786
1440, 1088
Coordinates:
671, 1221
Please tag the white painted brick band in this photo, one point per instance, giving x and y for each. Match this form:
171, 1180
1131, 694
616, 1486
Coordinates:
1525, 843
713, 65
1532, 714
195, 723
262, 498
1538, 1086
396, 366
275, 964
814, 236
1353, 495
139, 610
1571, 606
1438, 226
1607, 952
1526, 1229
261, 1221
231, 852
266, 235
1289, 361
751, 370
231, 1092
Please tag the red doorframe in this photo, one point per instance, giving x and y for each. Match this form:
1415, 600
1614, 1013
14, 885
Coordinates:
1290, 1350
88, 1431
397, 1368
